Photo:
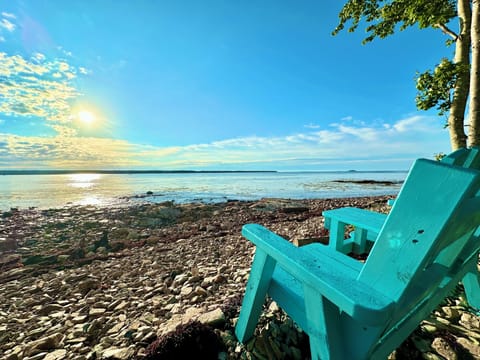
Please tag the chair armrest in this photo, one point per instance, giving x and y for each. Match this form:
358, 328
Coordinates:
361, 218
328, 272
367, 226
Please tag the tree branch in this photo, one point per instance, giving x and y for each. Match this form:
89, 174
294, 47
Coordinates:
446, 30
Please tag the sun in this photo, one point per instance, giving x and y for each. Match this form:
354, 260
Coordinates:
87, 117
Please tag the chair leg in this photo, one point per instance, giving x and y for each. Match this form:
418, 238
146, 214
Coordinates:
471, 283
324, 328
337, 235
255, 293
360, 240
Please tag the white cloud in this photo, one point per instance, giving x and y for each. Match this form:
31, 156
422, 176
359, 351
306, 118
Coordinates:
352, 142
351, 145
39, 57
408, 123
36, 87
8, 15
364, 133
7, 25
63, 66
312, 126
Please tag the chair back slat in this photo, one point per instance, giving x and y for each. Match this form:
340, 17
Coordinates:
424, 227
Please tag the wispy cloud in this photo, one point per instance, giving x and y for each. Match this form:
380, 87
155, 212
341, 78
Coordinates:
8, 15
363, 133
311, 126
340, 143
410, 123
7, 25
339, 146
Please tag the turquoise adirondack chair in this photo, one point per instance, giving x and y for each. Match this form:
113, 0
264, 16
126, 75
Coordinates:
354, 310
368, 223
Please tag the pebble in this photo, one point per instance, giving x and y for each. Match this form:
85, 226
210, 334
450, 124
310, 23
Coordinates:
215, 318
443, 348
125, 275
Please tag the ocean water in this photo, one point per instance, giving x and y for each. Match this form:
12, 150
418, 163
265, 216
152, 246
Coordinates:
57, 190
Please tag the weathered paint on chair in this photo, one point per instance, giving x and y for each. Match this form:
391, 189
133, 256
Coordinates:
368, 224
352, 310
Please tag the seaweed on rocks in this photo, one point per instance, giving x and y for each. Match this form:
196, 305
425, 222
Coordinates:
103, 242
231, 306
192, 340
406, 351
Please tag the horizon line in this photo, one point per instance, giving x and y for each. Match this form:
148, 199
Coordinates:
91, 171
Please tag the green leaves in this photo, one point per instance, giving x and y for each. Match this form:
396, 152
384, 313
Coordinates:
382, 17
435, 88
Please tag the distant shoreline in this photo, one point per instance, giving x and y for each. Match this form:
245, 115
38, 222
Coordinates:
127, 172
69, 172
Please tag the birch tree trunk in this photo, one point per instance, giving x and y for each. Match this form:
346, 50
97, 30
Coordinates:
458, 139
474, 104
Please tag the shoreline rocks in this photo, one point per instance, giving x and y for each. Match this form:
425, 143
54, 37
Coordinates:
98, 283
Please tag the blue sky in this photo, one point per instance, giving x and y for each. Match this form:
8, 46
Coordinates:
252, 85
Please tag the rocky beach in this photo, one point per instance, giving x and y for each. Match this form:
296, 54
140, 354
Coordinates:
147, 281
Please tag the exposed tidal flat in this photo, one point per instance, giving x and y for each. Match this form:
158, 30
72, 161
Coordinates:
166, 279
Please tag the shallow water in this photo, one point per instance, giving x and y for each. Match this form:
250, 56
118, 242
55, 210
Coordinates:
45, 191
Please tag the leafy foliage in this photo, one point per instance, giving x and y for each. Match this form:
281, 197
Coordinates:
435, 87
384, 16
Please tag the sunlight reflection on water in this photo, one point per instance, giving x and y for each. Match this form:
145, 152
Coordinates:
87, 183
83, 181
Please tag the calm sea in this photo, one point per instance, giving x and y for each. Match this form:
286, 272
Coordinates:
46, 191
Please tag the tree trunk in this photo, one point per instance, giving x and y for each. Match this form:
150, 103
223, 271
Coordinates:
458, 139
474, 105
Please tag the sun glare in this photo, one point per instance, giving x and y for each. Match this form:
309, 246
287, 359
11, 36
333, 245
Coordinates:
86, 117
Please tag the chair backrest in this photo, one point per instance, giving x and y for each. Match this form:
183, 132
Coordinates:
429, 227
469, 158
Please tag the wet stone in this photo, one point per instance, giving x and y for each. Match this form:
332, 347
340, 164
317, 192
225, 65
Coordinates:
470, 321
443, 348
